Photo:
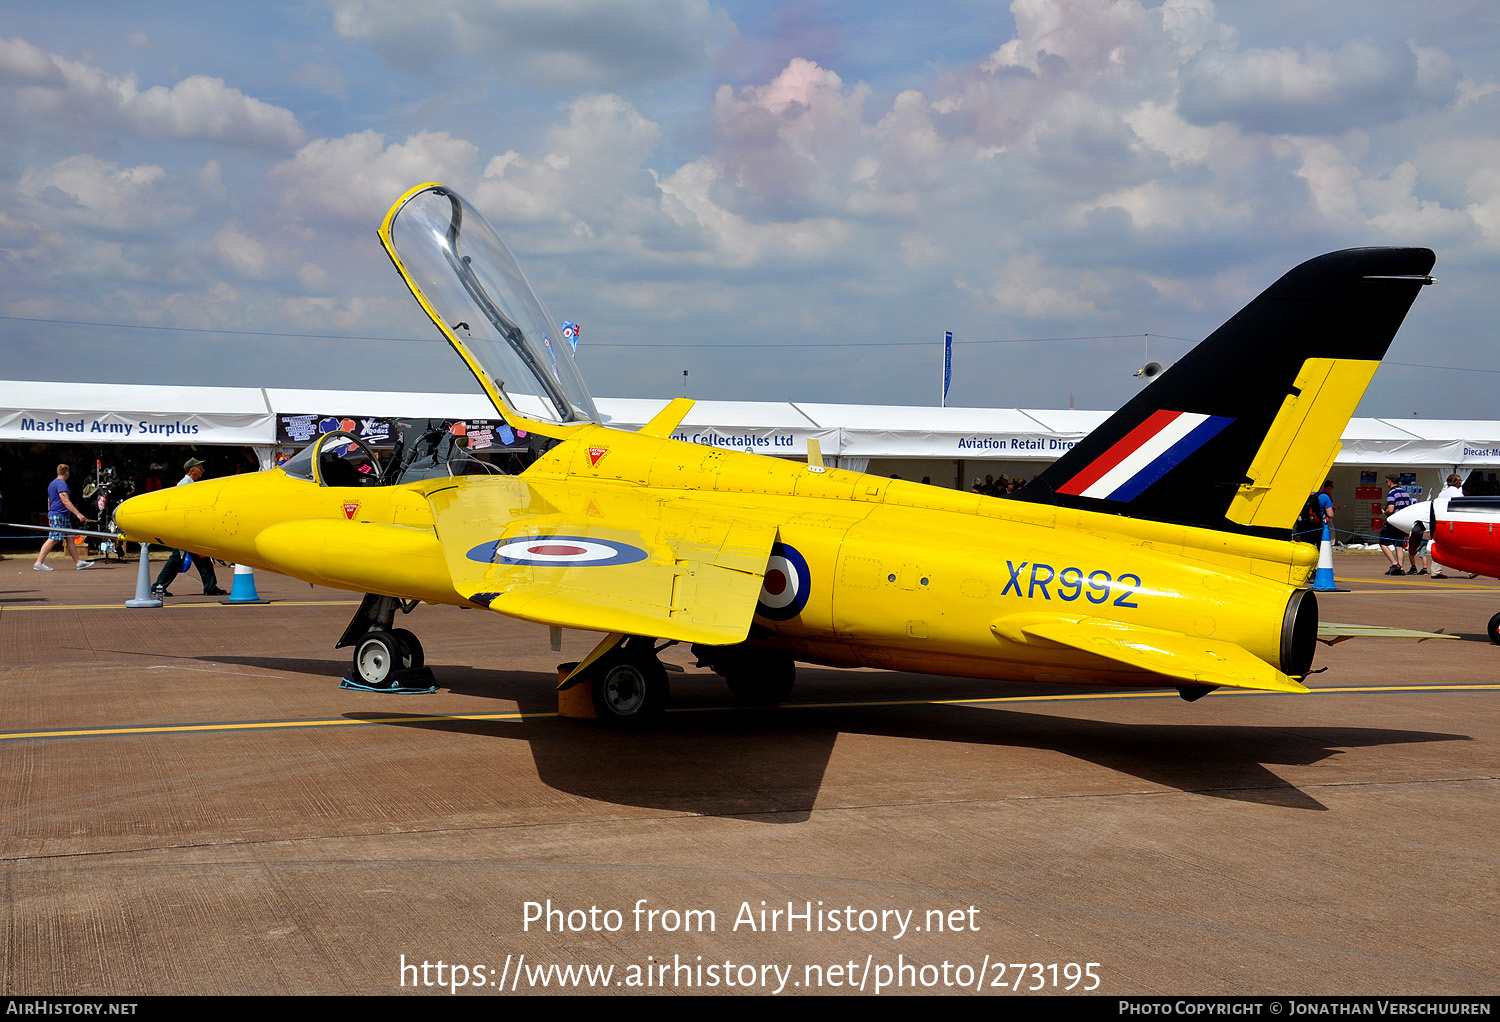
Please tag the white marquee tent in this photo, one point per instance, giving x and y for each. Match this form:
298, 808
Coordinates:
32, 411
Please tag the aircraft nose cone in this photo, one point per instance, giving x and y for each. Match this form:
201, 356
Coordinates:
1410, 515
163, 516
143, 518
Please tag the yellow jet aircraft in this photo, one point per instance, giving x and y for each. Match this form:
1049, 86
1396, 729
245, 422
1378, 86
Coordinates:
1157, 552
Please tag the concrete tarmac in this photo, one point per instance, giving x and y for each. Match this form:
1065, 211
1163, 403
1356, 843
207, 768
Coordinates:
189, 804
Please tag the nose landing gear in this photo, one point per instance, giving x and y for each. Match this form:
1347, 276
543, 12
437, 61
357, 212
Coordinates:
386, 659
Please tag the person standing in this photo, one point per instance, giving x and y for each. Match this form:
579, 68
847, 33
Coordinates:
193, 471
1392, 539
1453, 489
59, 506
1416, 548
1316, 513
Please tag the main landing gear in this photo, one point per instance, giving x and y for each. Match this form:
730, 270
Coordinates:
626, 684
621, 683
629, 685
1494, 629
386, 659
756, 676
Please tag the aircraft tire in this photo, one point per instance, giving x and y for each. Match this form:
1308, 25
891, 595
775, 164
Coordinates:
630, 692
761, 678
377, 656
1494, 629
413, 646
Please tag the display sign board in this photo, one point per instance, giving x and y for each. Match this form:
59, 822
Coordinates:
301, 428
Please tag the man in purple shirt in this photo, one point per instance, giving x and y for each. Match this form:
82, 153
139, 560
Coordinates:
59, 506
1392, 539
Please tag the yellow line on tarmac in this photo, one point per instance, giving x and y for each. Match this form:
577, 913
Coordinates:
1418, 583
1416, 592
269, 725
273, 725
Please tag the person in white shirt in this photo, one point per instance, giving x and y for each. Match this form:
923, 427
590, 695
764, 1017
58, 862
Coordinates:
1453, 489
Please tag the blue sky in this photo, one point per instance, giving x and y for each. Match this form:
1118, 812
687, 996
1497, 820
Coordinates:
790, 201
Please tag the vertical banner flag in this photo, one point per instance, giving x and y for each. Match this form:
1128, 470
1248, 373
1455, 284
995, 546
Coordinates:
947, 364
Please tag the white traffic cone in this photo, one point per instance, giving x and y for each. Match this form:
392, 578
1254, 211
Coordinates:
1323, 578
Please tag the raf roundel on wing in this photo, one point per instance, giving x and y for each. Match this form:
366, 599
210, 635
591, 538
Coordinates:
556, 552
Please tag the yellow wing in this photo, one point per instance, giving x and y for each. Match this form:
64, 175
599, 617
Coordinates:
1332, 633
602, 557
1185, 658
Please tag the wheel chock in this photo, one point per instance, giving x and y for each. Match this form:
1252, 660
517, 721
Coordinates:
412, 681
577, 700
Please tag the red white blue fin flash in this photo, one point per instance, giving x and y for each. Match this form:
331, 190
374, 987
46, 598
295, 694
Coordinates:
1145, 454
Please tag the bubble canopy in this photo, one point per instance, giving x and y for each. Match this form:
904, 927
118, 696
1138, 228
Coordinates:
469, 284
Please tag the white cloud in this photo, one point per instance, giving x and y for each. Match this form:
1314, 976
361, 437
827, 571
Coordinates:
355, 178
240, 251
791, 145
551, 43
1314, 91
1076, 40
55, 92
591, 180
735, 240
89, 192
21, 63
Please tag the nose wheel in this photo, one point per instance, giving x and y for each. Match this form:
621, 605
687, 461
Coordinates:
378, 656
1494, 629
385, 659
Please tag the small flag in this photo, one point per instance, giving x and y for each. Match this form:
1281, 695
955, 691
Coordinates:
947, 364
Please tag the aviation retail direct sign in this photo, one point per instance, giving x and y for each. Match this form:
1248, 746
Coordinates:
998, 446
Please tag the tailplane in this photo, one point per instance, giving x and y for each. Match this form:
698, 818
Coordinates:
1239, 431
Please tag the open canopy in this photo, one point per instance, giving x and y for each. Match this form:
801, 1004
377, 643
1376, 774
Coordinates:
468, 282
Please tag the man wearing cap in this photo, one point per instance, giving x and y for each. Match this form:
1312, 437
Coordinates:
193, 468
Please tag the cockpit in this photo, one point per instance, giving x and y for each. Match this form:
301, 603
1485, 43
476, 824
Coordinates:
427, 449
336, 459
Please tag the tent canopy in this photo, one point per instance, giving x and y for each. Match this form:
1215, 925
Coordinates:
88, 412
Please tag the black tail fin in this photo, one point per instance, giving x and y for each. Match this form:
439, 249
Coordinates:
1237, 433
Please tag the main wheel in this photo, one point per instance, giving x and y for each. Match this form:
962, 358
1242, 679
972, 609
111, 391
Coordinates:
377, 656
413, 646
630, 691
1495, 629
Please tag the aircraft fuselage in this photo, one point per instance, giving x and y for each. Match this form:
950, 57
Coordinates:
869, 571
